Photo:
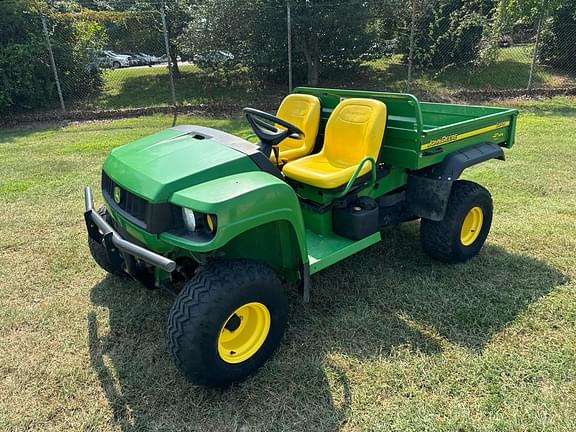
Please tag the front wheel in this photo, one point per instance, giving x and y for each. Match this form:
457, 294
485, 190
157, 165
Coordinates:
461, 234
226, 322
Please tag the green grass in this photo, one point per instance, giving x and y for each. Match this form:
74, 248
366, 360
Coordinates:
391, 341
510, 71
150, 86
144, 86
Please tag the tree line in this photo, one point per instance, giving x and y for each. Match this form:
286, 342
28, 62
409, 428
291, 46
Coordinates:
329, 37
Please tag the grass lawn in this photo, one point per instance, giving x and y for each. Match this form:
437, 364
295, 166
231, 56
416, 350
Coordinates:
150, 86
391, 340
510, 71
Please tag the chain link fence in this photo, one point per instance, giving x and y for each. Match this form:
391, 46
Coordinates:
210, 54
126, 60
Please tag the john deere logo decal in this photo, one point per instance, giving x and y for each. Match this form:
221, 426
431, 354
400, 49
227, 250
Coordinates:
446, 139
117, 194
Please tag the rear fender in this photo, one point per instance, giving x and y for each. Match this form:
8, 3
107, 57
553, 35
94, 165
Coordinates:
428, 190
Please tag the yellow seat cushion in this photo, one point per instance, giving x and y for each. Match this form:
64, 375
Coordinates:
354, 130
303, 111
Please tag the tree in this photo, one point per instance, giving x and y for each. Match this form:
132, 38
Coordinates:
26, 74
559, 38
327, 36
331, 35
448, 32
511, 14
131, 31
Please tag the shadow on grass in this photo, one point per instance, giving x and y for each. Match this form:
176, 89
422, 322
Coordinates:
466, 304
11, 134
386, 298
192, 87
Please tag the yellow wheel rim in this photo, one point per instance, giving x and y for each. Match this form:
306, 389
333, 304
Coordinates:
244, 332
471, 226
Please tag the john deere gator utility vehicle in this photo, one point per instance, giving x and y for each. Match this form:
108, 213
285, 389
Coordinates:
232, 222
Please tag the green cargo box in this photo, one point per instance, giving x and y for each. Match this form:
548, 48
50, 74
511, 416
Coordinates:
420, 134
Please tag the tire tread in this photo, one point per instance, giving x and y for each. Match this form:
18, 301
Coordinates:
212, 285
437, 237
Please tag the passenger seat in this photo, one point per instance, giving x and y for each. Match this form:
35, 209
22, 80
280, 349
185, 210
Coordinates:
355, 130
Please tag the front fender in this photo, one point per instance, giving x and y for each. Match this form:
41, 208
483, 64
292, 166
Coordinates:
241, 202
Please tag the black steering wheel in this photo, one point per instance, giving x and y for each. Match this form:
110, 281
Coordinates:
264, 126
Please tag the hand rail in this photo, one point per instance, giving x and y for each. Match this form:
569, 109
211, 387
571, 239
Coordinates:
357, 173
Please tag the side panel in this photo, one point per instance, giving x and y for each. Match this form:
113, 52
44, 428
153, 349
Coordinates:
241, 203
437, 144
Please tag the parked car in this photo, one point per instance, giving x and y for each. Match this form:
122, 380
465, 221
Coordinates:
380, 49
164, 58
152, 59
114, 60
138, 60
143, 59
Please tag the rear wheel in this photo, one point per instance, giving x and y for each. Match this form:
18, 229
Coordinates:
226, 322
463, 231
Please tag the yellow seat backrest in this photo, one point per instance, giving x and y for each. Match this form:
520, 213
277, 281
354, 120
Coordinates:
303, 111
354, 130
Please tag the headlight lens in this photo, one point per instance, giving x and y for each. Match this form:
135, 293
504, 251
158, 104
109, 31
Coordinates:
189, 219
199, 222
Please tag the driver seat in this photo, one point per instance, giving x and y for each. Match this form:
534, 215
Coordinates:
303, 111
354, 130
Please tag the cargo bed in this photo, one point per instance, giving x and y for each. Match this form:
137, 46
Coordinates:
419, 134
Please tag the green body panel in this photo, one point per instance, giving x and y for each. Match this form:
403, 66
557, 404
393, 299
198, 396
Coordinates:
275, 243
157, 166
318, 222
152, 241
394, 179
323, 251
240, 202
412, 126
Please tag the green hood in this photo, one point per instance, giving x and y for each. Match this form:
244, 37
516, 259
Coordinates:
157, 166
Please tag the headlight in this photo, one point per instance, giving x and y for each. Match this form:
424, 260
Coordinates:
189, 219
199, 222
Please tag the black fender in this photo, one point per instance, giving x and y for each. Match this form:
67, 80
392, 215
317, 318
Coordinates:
428, 190
453, 164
